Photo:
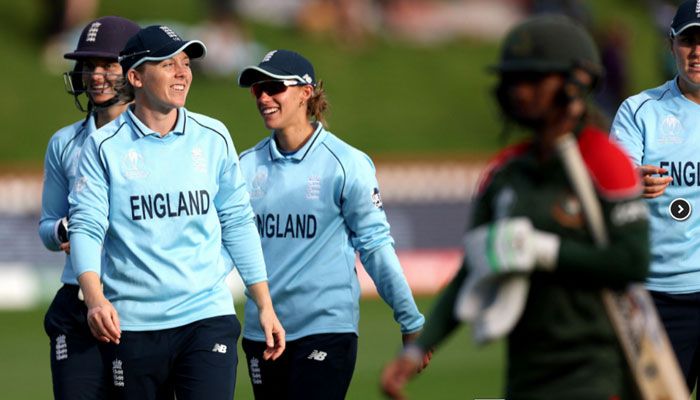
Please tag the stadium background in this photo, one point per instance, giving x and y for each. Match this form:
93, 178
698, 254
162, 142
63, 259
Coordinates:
416, 98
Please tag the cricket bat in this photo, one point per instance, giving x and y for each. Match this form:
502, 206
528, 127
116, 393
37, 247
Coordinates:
632, 312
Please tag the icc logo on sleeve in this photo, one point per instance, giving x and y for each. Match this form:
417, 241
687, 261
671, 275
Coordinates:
377, 199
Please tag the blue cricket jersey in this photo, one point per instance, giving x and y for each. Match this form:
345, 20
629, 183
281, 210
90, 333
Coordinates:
660, 127
314, 209
162, 207
60, 165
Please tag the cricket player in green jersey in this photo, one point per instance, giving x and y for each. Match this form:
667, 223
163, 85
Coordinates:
528, 244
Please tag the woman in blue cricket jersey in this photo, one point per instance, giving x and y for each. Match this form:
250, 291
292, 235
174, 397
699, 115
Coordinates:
659, 129
317, 202
160, 188
77, 366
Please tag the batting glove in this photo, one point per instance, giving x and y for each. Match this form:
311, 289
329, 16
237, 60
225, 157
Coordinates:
62, 230
510, 245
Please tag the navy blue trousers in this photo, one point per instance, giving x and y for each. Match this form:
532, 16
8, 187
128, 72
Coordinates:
312, 367
194, 361
79, 362
680, 314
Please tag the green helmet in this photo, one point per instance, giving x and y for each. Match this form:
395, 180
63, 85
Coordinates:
549, 43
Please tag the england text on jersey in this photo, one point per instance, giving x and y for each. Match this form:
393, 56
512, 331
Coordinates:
684, 173
292, 226
161, 205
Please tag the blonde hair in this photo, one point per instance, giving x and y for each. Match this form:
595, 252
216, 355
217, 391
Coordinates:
125, 91
318, 104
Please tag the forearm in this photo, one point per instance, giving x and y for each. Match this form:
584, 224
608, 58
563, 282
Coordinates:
91, 287
260, 294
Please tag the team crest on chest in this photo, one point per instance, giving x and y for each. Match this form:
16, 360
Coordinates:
567, 211
198, 162
258, 183
313, 187
133, 165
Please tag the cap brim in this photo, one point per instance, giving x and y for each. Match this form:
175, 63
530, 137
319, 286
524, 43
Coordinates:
675, 33
77, 55
193, 48
247, 77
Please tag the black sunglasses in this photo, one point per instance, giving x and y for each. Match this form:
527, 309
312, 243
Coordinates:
272, 87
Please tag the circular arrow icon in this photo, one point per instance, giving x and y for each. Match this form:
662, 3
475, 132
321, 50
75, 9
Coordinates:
680, 209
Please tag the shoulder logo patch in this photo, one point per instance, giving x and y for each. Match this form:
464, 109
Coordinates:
377, 199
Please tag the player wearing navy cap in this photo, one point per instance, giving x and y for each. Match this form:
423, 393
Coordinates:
77, 365
160, 188
659, 129
316, 203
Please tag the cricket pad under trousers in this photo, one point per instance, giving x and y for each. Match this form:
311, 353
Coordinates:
564, 345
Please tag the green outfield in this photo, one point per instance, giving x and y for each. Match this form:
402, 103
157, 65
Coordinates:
388, 97
458, 371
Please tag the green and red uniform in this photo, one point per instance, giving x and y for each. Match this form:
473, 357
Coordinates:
564, 345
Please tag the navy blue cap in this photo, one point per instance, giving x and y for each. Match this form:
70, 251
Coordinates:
279, 64
687, 15
104, 37
157, 43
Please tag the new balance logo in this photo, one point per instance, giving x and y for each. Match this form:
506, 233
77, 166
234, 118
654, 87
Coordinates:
219, 348
317, 355
61, 348
92, 32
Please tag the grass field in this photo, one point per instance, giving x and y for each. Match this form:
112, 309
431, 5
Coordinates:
458, 371
389, 98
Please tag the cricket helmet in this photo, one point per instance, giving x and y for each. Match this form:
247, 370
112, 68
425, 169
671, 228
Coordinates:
102, 38
549, 43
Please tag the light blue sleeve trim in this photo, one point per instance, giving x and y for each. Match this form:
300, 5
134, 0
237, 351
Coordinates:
54, 197
89, 210
85, 254
239, 234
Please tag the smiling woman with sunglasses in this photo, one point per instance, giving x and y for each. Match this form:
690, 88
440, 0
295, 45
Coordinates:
317, 202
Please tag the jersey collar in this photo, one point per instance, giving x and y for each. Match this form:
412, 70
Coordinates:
315, 139
142, 130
